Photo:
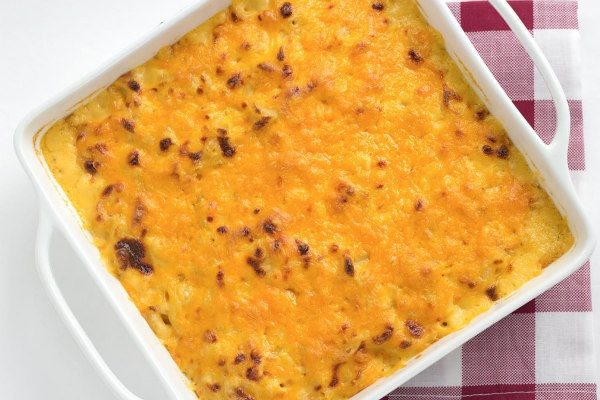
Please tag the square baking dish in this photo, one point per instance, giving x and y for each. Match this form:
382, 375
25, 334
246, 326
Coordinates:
56, 214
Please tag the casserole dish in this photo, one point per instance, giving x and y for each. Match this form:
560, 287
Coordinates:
555, 183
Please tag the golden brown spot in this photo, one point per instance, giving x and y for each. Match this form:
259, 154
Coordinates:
266, 67
415, 57
286, 71
242, 395
195, 155
165, 143
240, 358
269, 226
139, 211
306, 261
131, 253
91, 166
133, 158
482, 114
100, 148
362, 348
226, 148
414, 328
419, 205
302, 247
128, 125
334, 375
286, 9
134, 85
253, 373
348, 266
487, 149
220, 278
210, 336
108, 190
255, 357
467, 282
234, 81
261, 123
384, 336
256, 266
492, 293
449, 95
502, 152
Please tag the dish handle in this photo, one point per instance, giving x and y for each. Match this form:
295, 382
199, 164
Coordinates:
558, 148
45, 230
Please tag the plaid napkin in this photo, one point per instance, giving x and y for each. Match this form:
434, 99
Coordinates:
543, 351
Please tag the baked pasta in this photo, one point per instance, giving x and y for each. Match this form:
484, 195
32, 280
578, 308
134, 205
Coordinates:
301, 196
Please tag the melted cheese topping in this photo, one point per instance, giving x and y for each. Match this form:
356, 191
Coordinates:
301, 197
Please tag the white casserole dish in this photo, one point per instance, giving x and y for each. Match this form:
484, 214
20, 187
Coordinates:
550, 161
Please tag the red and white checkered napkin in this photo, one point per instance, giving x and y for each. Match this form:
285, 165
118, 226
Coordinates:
543, 351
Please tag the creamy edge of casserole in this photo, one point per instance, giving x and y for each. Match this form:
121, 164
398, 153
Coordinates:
301, 196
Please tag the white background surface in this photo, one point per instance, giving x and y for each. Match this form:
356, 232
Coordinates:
45, 46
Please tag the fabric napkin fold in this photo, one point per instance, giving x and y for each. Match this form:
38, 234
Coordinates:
543, 351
